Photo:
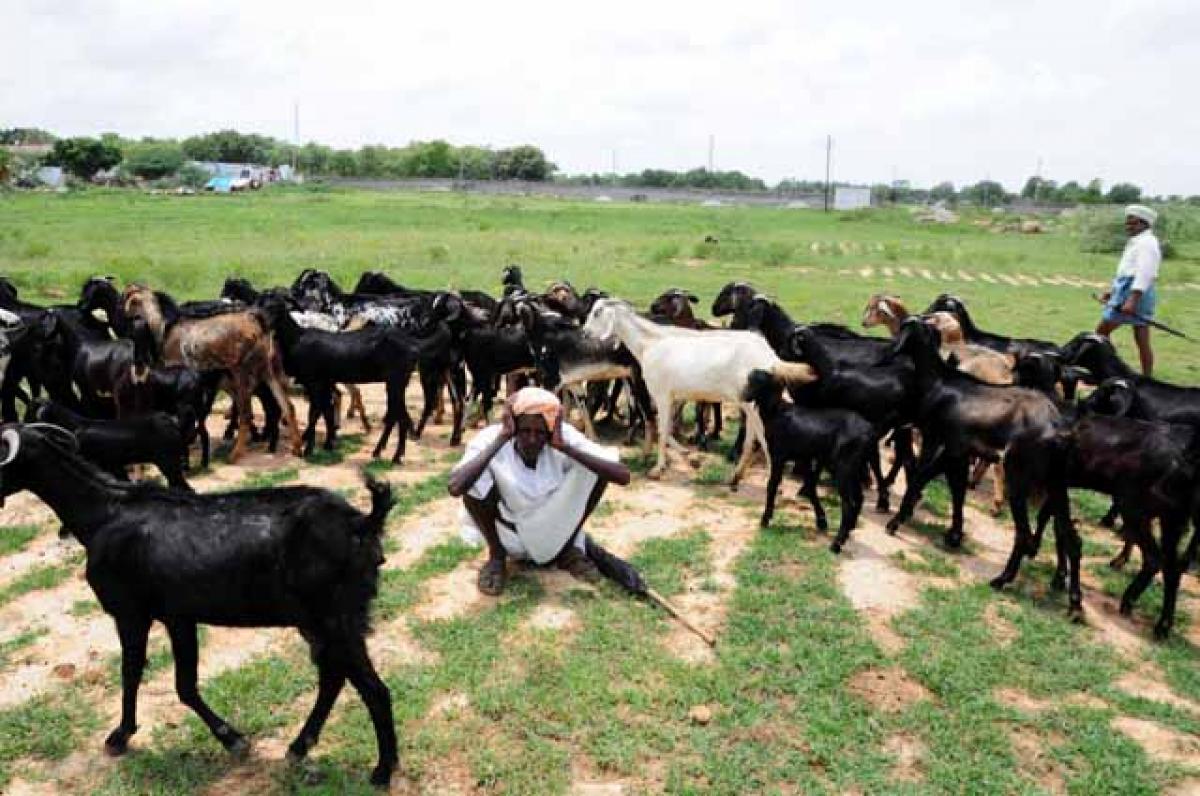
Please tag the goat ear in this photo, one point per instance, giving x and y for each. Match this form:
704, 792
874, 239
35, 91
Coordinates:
692, 297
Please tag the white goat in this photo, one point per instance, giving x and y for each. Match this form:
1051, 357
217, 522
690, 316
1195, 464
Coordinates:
684, 364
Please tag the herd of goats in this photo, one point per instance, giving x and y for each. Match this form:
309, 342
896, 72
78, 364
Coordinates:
129, 377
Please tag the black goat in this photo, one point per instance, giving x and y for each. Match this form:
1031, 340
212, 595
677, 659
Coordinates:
318, 360
959, 416
1150, 470
973, 334
512, 280
815, 439
113, 445
293, 557
885, 394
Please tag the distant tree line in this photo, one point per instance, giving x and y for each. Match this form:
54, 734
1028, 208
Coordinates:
159, 158
1037, 190
662, 178
152, 158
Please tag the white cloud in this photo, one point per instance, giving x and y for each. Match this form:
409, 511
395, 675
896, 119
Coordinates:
926, 90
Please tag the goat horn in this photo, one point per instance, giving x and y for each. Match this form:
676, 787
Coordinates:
12, 444
62, 432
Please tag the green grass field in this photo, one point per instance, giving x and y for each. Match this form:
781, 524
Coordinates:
812, 262
803, 694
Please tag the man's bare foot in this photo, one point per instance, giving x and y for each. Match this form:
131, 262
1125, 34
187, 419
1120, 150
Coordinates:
492, 577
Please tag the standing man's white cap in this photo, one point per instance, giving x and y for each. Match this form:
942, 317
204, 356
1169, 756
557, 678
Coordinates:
1142, 212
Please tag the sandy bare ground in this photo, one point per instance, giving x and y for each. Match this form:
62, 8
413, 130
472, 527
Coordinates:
78, 648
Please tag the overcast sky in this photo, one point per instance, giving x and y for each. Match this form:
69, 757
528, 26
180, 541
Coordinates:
922, 90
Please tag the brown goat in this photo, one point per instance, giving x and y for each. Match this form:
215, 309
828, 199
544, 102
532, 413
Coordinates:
983, 363
238, 343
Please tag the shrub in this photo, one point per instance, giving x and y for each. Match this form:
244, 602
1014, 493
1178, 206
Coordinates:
192, 176
1103, 231
154, 161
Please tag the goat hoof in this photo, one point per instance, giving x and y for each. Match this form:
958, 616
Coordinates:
883, 507
1125, 609
822, 524
381, 777
239, 748
1075, 613
1107, 521
892, 526
835, 547
117, 743
1118, 563
764, 522
296, 752
1162, 630
953, 540
998, 582
1058, 583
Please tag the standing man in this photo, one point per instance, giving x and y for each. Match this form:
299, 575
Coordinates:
1133, 288
529, 484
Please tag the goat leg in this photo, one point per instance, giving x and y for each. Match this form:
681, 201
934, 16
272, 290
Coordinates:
777, 466
809, 490
957, 471
884, 502
378, 700
927, 468
186, 654
1067, 536
133, 632
331, 680
1137, 528
1172, 530
357, 405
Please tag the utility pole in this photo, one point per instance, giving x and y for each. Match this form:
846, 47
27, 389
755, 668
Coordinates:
711, 146
295, 135
614, 166
828, 158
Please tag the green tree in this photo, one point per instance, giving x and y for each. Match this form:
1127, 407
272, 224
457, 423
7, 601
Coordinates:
429, 159
14, 136
229, 146
985, 193
942, 192
523, 163
5, 165
344, 164
1094, 192
83, 157
153, 160
1124, 193
314, 158
1071, 192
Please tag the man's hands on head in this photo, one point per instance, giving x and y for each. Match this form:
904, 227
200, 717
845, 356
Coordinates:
556, 434
508, 421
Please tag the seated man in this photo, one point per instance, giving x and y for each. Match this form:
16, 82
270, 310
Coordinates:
529, 484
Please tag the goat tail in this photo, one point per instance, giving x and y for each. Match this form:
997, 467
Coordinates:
793, 373
381, 503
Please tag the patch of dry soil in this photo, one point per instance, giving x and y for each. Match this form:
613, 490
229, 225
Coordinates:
876, 587
1148, 682
1024, 701
909, 752
1159, 742
1032, 750
889, 690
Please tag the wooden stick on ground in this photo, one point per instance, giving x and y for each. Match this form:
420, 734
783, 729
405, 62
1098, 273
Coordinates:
675, 612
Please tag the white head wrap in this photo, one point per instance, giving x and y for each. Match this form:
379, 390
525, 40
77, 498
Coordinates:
1142, 212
